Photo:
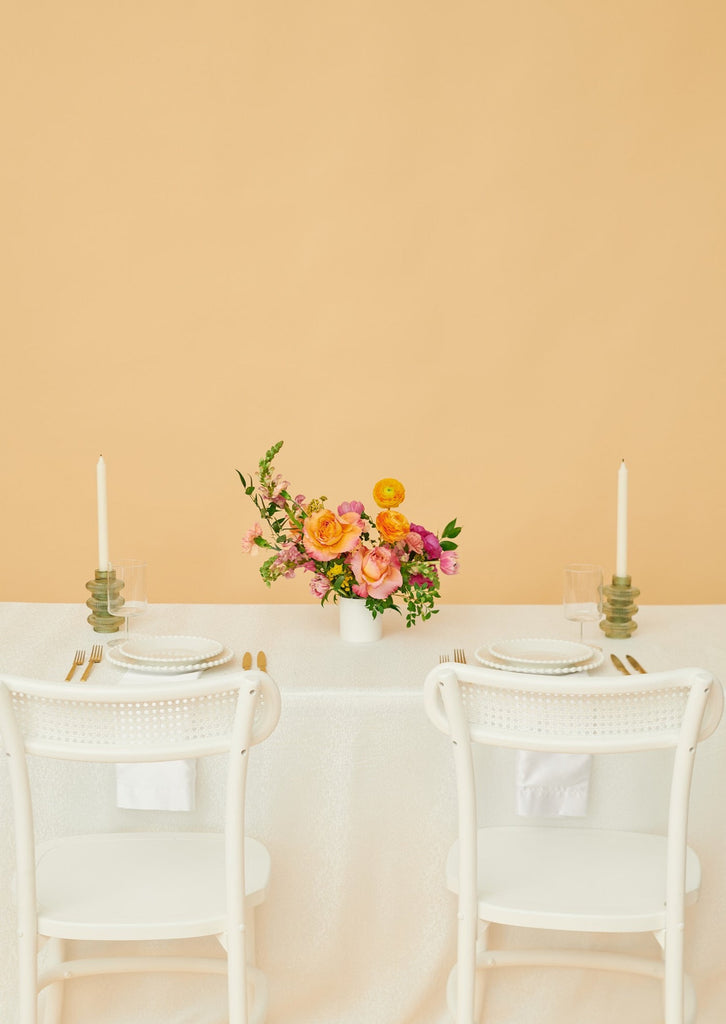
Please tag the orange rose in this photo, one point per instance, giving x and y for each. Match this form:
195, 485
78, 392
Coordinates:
389, 493
326, 535
392, 525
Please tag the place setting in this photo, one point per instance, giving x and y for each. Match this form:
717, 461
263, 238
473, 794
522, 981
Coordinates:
585, 599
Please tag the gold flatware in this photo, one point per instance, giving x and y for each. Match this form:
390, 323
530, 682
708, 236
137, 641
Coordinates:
262, 661
96, 655
459, 656
619, 665
636, 664
247, 661
79, 658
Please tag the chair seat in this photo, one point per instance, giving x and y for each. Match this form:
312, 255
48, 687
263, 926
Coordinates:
88, 886
573, 879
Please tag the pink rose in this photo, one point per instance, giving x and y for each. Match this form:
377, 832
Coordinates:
248, 541
351, 506
449, 563
377, 571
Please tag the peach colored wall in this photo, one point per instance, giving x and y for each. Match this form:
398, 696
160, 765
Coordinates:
476, 245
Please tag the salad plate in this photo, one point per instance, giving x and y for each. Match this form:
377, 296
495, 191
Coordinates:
540, 651
170, 650
116, 656
485, 656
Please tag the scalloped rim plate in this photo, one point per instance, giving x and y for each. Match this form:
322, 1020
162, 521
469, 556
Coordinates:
540, 651
167, 650
484, 656
116, 657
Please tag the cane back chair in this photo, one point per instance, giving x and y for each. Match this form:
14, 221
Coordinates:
138, 885
570, 878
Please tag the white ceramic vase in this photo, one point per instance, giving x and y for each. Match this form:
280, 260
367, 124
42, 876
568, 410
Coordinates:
357, 624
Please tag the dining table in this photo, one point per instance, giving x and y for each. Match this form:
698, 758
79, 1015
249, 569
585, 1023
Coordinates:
354, 796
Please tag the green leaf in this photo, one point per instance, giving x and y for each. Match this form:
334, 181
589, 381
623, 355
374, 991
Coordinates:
451, 529
448, 545
262, 543
244, 482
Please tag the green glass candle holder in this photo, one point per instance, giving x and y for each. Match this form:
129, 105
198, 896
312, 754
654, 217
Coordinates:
103, 583
619, 608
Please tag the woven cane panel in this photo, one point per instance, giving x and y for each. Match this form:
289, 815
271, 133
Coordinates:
134, 724
576, 715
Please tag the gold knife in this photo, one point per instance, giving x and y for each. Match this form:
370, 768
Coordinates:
262, 661
247, 661
619, 665
636, 664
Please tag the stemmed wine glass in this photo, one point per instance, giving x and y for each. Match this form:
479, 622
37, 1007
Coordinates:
582, 594
128, 600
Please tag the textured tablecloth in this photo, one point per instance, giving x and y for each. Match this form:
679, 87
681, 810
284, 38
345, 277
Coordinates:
354, 796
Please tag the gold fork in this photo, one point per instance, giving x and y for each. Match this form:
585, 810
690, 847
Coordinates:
459, 656
96, 655
79, 658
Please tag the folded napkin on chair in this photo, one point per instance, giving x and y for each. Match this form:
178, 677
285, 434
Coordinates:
552, 785
156, 785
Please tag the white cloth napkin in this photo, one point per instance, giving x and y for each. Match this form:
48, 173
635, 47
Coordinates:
552, 785
156, 785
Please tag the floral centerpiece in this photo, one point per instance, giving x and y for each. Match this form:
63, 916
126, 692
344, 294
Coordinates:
387, 561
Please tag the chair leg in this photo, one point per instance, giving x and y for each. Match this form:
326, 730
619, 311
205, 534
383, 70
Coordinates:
482, 943
673, 984
53, 994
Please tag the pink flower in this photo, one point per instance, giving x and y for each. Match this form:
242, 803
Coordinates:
351, 506
449, 563
415, 542
248, 541
377, 571
319, 586
432, 546
420, 581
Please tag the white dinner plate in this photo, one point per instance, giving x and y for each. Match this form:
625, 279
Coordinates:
116, 657
170, 650
540, 651
484, 656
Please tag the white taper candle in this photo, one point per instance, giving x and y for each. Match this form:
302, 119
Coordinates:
102, 501
621, 555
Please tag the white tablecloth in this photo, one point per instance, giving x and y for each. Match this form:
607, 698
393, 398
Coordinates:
354, 796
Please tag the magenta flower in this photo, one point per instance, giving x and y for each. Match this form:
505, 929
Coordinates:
421, 581
431, 546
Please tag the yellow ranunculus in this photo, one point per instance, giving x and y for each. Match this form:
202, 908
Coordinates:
392, 525
389, 492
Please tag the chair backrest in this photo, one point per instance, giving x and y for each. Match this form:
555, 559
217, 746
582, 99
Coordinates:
128, 723
571, 713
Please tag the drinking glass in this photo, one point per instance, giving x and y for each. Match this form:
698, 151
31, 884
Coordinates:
582, 594
129, 600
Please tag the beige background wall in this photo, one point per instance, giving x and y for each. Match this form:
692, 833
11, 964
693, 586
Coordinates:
476, 245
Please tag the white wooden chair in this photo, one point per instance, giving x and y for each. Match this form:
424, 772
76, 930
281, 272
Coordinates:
134, 885
564, 878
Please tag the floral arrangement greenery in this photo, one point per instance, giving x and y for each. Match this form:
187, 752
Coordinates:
382, 560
